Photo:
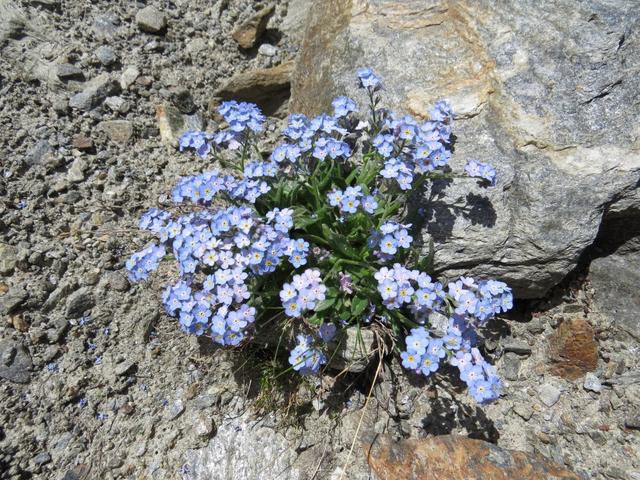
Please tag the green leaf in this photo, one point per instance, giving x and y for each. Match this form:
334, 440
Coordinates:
325, 304
340, 243
358, 305
351, 176
315, 320
426, 263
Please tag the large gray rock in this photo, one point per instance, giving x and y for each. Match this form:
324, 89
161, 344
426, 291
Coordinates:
615, 281
544, 90
244, 448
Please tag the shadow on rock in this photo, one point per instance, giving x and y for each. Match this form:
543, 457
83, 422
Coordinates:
448, 415
438, 216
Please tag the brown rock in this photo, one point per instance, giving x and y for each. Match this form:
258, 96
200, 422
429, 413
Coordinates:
269, 88
119, 131
19, 323
573, 349
455, 457
82, 142
248, 33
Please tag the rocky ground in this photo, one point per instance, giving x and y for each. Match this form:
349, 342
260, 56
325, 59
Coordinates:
96, 382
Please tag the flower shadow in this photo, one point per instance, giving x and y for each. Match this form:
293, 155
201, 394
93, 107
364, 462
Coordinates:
434, 213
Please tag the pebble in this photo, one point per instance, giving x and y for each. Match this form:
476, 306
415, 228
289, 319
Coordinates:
248, 33
517, 346
79, 302
548, 394
632, 420
129, 76
172, 123
106, 55
8, 258
118, 282
181, 98
94, 93
75, 174
42, 458
15, 362
105, 27
175, 410
20, 323
56, 333
523, 410
68, 71
151, 20
117, 104
591, 382
11, 300
82, 142
204, 401
267, 50
118, 131
204, 426
511, 366
535, 325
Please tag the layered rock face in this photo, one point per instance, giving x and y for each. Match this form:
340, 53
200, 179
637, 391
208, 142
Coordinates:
545, 91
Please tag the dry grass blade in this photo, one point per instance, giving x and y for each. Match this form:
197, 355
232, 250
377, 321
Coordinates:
382, 350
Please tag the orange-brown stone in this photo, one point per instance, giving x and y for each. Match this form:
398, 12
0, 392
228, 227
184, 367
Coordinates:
454, 457
573, 349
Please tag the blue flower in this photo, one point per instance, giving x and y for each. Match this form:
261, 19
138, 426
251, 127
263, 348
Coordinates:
369, 204
306, 359
349, 204
441, 111
481, 170
389, 244
342, 106
417, 343
242, 116
327, 332
410, 361
142, 263
429, 364
199, 141
368, 79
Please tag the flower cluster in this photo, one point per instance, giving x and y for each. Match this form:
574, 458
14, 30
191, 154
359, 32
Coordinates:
400, 286
391, 237
481, 377
482, 300
411, 149
320, 136
424, 354
302, 293
309, 230
242, 116
203, 188
305, 358
199, 141
343, 106
350, 199
142, 263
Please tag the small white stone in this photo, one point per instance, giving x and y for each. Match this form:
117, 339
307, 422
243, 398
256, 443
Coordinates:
267, 50
591, 382
549, 395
